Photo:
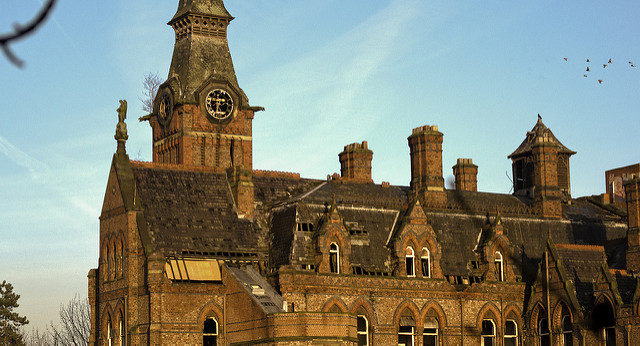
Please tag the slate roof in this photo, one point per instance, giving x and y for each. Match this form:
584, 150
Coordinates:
256, 287
192, 211
207, 7
584, 264
539, 130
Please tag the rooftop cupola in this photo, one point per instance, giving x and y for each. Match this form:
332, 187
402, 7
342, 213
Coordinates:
541, 170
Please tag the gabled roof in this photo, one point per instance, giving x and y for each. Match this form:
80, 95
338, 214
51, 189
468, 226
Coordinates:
539, 130
192, 211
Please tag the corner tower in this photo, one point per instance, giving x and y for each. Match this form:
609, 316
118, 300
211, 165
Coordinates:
201, 116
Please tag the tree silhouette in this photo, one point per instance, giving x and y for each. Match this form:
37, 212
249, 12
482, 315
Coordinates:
10, 322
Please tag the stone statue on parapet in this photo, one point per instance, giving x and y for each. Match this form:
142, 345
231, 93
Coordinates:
121, 128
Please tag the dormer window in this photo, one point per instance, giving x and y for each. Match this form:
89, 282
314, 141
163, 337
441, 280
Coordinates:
334, 258
499, 264
410, 262
425, 263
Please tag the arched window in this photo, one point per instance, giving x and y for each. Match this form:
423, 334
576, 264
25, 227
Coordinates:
510, 333
116, 260
567, 330
405, 331
334, 258
425, 263
430, 332
488, 333
108, 273
363, 330
210, 332
121, 332
604, 319
499, 266
409, 259
543, 332
105, 263
121, 255
109, 332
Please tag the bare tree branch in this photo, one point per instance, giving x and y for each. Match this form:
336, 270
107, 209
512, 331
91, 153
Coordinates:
150, 86
23, 31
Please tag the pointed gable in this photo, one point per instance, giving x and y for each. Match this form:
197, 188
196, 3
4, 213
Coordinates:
539, 130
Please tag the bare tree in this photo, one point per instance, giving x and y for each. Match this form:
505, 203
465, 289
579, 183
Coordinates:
149, 90
37, 338
75, 323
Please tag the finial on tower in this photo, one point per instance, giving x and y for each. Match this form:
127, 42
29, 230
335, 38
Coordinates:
121, 129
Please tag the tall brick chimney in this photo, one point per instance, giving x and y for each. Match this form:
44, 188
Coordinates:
355, 163
466, 174
425, 146
632, 191
547, 197
241, 183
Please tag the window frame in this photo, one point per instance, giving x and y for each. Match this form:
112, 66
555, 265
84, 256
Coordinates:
334, 252
410, 255
492, 336
411, 334
547, 333
566, 333
437, 330
499, 261
217, 332
511, 336
366, 330
426, 255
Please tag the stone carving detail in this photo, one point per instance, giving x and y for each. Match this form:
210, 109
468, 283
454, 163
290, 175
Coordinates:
121, 128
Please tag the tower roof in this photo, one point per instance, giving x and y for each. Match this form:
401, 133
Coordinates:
206, 7
539, 130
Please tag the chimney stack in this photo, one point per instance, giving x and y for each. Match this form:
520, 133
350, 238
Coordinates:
355, 163
632, 192
425, 145
547, 197
466, 174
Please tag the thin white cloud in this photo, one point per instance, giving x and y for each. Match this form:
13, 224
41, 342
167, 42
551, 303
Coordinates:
35, 167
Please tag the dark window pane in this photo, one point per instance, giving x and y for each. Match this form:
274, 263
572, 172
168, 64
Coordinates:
210, 326
425, 267
409, 266
430, 331
611, 336
405, 329
510, 342
568, 339
362, 324
488, 340
510, 328
487, 327
362, 339
545, 340
406, 340
210, 340
430, 340
333, 263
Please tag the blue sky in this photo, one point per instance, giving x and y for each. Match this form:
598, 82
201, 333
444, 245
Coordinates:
329, 73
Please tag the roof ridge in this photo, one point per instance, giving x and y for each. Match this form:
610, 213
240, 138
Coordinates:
582, 247
174, 167
276, 174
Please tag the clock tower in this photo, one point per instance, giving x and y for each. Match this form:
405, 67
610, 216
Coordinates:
201, 116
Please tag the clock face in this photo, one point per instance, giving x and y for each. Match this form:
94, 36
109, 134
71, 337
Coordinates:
165, 108
219, 104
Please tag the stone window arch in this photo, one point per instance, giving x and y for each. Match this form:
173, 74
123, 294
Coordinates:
604, 320
334, 258
544, 337
425, 263
430, 331
109, 331
122, 332
410, 262
210, 332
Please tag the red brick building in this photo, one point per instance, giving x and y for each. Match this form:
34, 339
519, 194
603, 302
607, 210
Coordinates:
198, 247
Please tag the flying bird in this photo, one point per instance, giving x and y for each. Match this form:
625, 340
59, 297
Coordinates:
565, 59
630, 62
585, 76
599, 81
587, 68
609, 61
632, 65
604, 65
588, 60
